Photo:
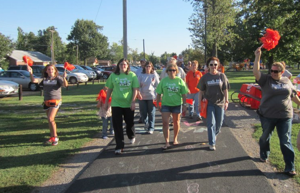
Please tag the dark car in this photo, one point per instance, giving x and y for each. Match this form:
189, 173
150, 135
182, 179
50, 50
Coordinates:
107, 70
96, 70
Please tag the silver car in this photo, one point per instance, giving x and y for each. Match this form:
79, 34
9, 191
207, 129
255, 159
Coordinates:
21, 77
8, 88
72, 77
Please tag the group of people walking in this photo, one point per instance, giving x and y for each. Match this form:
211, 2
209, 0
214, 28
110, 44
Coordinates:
171, 90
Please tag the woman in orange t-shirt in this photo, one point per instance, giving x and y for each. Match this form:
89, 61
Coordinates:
221, 68
192, 80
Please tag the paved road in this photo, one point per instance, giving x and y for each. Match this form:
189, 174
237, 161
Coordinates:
188, 167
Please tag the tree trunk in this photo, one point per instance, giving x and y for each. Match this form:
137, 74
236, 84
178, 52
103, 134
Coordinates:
270, 62
215, 50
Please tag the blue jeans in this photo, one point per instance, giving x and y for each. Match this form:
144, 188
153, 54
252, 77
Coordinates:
195, 105
105, 125
284, 130
214, 121
148, 113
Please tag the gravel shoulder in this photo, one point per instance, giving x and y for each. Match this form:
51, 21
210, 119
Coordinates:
238, 119
241, 122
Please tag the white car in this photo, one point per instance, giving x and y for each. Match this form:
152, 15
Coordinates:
8, 88
90, 74
73, 77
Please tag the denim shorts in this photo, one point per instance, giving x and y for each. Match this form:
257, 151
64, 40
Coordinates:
171, 109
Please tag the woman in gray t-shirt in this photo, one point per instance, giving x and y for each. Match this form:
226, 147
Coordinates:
52, 84
276, 110
214, 88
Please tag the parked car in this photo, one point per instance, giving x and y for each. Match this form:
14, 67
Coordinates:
107, 70
73, 77
37, 70
8, 88
97, 71
134, 68
90, 74
21, 77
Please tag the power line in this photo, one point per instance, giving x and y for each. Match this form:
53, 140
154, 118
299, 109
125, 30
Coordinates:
98, 10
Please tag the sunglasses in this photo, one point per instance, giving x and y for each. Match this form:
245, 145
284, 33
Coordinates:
171, 70
147, 66
213, 64
275, 71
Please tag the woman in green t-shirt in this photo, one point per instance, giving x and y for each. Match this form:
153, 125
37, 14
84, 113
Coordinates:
174, 92
122, 87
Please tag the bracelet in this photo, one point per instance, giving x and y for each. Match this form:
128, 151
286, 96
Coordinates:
184, 104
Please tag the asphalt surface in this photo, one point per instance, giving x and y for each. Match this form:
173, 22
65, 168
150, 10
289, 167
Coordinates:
188, 167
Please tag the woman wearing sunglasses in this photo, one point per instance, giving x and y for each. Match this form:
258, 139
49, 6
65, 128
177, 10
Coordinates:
174, 92
148, 83
214, 88
276, 110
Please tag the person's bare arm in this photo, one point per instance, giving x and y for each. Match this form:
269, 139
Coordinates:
256, 66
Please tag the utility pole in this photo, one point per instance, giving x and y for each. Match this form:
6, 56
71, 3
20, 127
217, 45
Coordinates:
205, 13
52, 45
125, 29
77, 55
144, 49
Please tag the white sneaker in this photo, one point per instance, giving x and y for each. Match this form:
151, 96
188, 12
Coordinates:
118, 151
150, 132
212, 147
132, 140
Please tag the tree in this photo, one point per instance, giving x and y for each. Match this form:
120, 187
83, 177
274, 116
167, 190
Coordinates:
220, 19
282, 16
86, 34
116, 52
25, 41
133, 55
6, 47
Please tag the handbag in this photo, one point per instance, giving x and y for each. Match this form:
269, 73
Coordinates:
52, 103
203, 105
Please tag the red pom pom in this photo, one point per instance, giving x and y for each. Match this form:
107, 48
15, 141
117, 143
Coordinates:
68, 66
27, 60
270, 39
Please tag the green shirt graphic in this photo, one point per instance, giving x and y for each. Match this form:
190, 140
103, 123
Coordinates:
172, 91
122, 86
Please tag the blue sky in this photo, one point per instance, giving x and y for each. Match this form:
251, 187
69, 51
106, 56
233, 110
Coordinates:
162, 23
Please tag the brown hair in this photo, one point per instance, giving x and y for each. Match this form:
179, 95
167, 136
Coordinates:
152, 68
210, 59
117, 71
45, 74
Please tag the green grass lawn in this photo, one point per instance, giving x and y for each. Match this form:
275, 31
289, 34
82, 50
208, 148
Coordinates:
25, 162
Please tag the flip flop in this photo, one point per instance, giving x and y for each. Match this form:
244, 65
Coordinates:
176, 143
263, 160
165, 147
291, 173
